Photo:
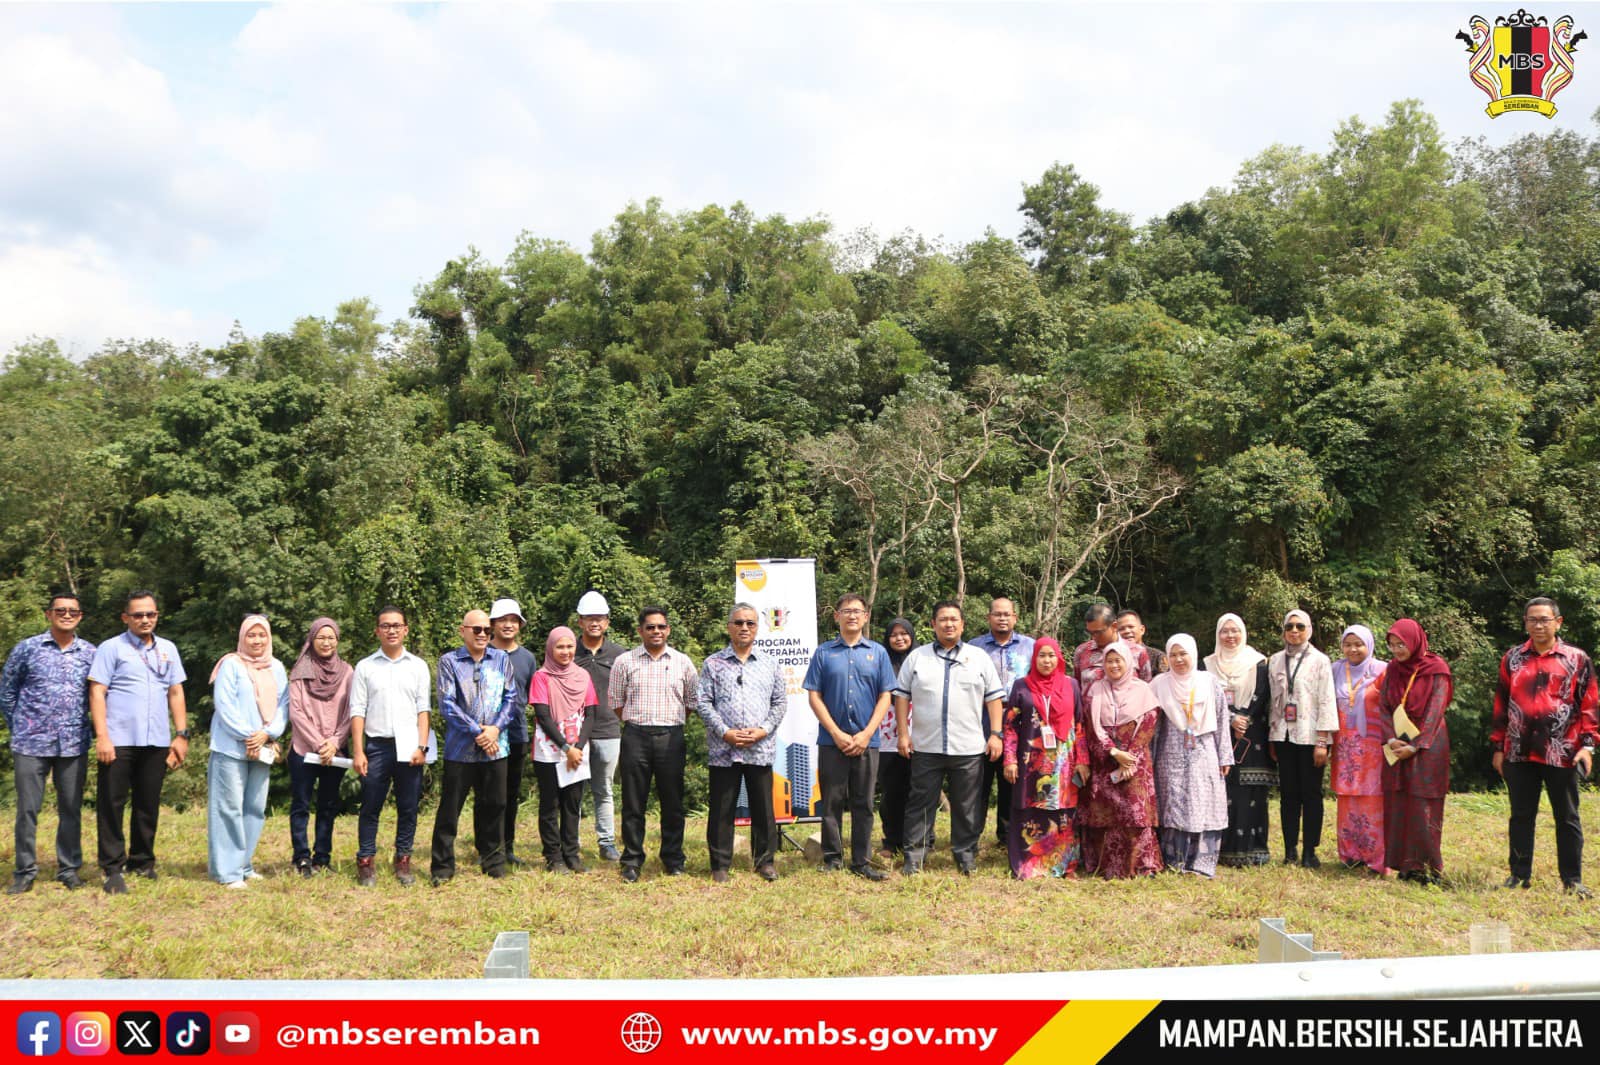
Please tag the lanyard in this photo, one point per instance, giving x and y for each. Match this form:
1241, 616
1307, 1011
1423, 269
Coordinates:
1188, 711
1292, 677
1407, 694
1352, 686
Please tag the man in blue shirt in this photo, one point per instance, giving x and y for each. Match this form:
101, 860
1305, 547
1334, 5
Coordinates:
135, 681
44, 694
742, 697
849, 681
1012, 655
476, 701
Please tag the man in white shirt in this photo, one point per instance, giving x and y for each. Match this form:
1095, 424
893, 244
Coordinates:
1300, 727
957, 693
388, 742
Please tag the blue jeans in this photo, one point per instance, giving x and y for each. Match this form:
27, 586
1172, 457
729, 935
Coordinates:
304, 779
603, 756
382, 769
236, 812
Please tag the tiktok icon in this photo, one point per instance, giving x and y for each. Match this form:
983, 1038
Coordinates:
188, 1033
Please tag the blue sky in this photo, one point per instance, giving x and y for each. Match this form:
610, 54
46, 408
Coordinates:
173, 168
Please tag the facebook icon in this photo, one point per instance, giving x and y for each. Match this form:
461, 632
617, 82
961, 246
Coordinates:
38, 1034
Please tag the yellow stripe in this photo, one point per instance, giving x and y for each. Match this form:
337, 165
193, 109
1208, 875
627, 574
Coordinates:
1082, 1032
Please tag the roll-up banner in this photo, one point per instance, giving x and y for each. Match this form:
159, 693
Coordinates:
784, 593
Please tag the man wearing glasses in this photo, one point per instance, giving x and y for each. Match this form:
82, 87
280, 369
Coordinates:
653, 688
1300, 726
849, 684
1544, 734
388, 743
742, 698
1088, 661
135, 681
1012, 655
44, 695
477, 698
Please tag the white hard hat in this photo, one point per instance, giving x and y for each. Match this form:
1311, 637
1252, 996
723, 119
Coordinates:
591, 604
505, 608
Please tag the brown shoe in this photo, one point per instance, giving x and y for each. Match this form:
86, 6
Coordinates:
768, 872
366, 874
402, 870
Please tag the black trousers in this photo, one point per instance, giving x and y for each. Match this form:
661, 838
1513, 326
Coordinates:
515, 761
846, 783
137, 772
725, 780
894, 786
994, 781
487, 783
1300, 795
559, 812
960, 775
1524, 781
652, 753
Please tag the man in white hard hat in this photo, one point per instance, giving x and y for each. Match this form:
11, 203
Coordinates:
506, 621
596, 654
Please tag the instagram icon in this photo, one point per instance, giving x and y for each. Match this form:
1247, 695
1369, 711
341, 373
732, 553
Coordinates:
88, 1034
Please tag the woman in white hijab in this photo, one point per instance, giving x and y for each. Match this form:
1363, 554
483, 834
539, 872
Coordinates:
1193, 754
1243, 673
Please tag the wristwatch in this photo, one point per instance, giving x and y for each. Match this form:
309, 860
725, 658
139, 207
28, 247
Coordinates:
181, 734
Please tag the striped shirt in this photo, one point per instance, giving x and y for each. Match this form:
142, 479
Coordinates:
653, 691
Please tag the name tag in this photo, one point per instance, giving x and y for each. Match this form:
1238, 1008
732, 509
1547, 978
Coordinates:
1047, 736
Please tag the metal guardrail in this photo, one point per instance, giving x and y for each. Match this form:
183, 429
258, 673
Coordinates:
1280, 945
508, 958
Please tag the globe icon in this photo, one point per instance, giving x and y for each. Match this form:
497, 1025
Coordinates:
641, 1032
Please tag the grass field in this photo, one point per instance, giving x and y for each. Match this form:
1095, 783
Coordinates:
809, 923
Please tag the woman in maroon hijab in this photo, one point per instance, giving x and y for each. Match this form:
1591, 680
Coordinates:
1418, 682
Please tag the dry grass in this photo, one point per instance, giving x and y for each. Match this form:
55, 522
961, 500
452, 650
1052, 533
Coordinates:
807, 924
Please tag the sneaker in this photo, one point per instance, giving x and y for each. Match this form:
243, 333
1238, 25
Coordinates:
251, 874
69, 879
237, 885
115, 884
608, 853
366, 872
20, 885
402, 870
869, 872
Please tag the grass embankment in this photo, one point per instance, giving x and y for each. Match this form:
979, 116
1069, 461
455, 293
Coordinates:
807, 924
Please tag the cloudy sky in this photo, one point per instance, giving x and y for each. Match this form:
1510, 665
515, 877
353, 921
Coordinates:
172, 168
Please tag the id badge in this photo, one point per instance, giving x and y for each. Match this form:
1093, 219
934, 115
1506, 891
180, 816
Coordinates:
1047, 736
1291, 713
1227, 693
1188, 739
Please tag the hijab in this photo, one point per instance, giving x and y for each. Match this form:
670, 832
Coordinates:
1120, 701
1237, 669
258, 669
1303, 616
325, 677
1194, 692
1397, 676
898, 657
1054, 689
569, 684
1345, 676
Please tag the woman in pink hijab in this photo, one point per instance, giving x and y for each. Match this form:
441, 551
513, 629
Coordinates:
1120, 817
564, 704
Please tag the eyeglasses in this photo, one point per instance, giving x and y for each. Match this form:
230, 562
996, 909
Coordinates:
145, 615
1294, 626
654, 628
853, 612
1539, 621
743, 624
477, 630
68, 612
391, 626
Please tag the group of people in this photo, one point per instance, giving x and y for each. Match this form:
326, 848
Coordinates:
1120, 760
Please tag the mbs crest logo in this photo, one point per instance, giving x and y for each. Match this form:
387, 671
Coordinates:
1521, 62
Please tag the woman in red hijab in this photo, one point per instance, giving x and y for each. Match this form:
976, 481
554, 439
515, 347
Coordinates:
1418, 682
1045, 763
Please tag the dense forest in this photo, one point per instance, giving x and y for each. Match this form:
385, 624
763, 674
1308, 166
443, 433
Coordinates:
1359, 380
